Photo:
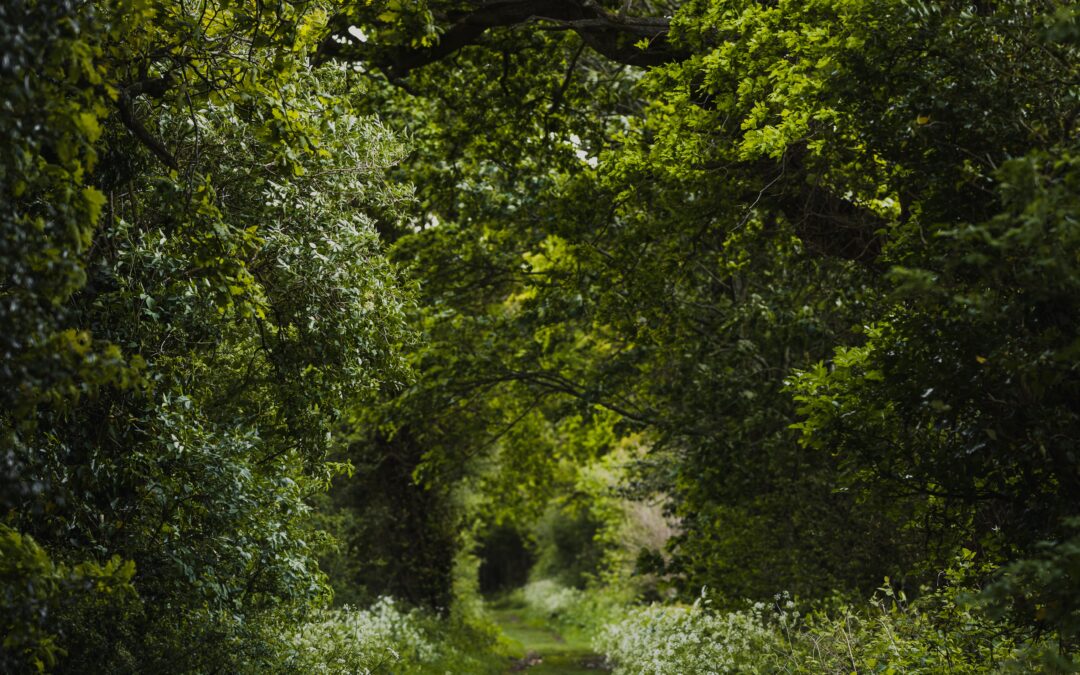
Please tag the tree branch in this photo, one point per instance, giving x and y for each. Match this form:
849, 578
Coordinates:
829, 224
615, 36
126, 102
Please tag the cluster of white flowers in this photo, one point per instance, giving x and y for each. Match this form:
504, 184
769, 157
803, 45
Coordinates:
362, 640
774, 637
550, 597
660, 640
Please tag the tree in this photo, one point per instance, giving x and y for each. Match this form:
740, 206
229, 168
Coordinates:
194, 302
679, 244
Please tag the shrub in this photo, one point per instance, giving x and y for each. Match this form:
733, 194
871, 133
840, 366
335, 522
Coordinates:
549, 597
360, 640
34, 590
388, 638
656, 640
942, 632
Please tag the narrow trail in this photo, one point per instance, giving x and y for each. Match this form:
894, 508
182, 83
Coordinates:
544, 650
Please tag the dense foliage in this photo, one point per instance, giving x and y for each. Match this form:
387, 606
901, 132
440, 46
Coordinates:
821, 254
314, 299
194, 300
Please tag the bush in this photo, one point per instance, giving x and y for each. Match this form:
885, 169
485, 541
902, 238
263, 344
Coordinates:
550, 598
34, 591
942, 632
387, 638
657, 639
360, 640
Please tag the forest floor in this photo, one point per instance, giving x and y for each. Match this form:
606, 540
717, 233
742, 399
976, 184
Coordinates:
543, 650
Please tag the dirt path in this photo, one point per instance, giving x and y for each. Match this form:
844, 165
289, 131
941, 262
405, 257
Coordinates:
544, 651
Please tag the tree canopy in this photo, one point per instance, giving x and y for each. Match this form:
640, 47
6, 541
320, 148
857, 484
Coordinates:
303, 299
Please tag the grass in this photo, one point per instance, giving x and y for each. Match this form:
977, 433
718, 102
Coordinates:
540, 650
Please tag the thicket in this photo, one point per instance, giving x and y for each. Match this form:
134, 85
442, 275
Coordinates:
306, 302
194, 300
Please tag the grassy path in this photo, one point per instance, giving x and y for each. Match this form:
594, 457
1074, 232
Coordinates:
543, 650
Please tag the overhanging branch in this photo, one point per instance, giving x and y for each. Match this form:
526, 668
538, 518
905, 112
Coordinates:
635, 41
829, 224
